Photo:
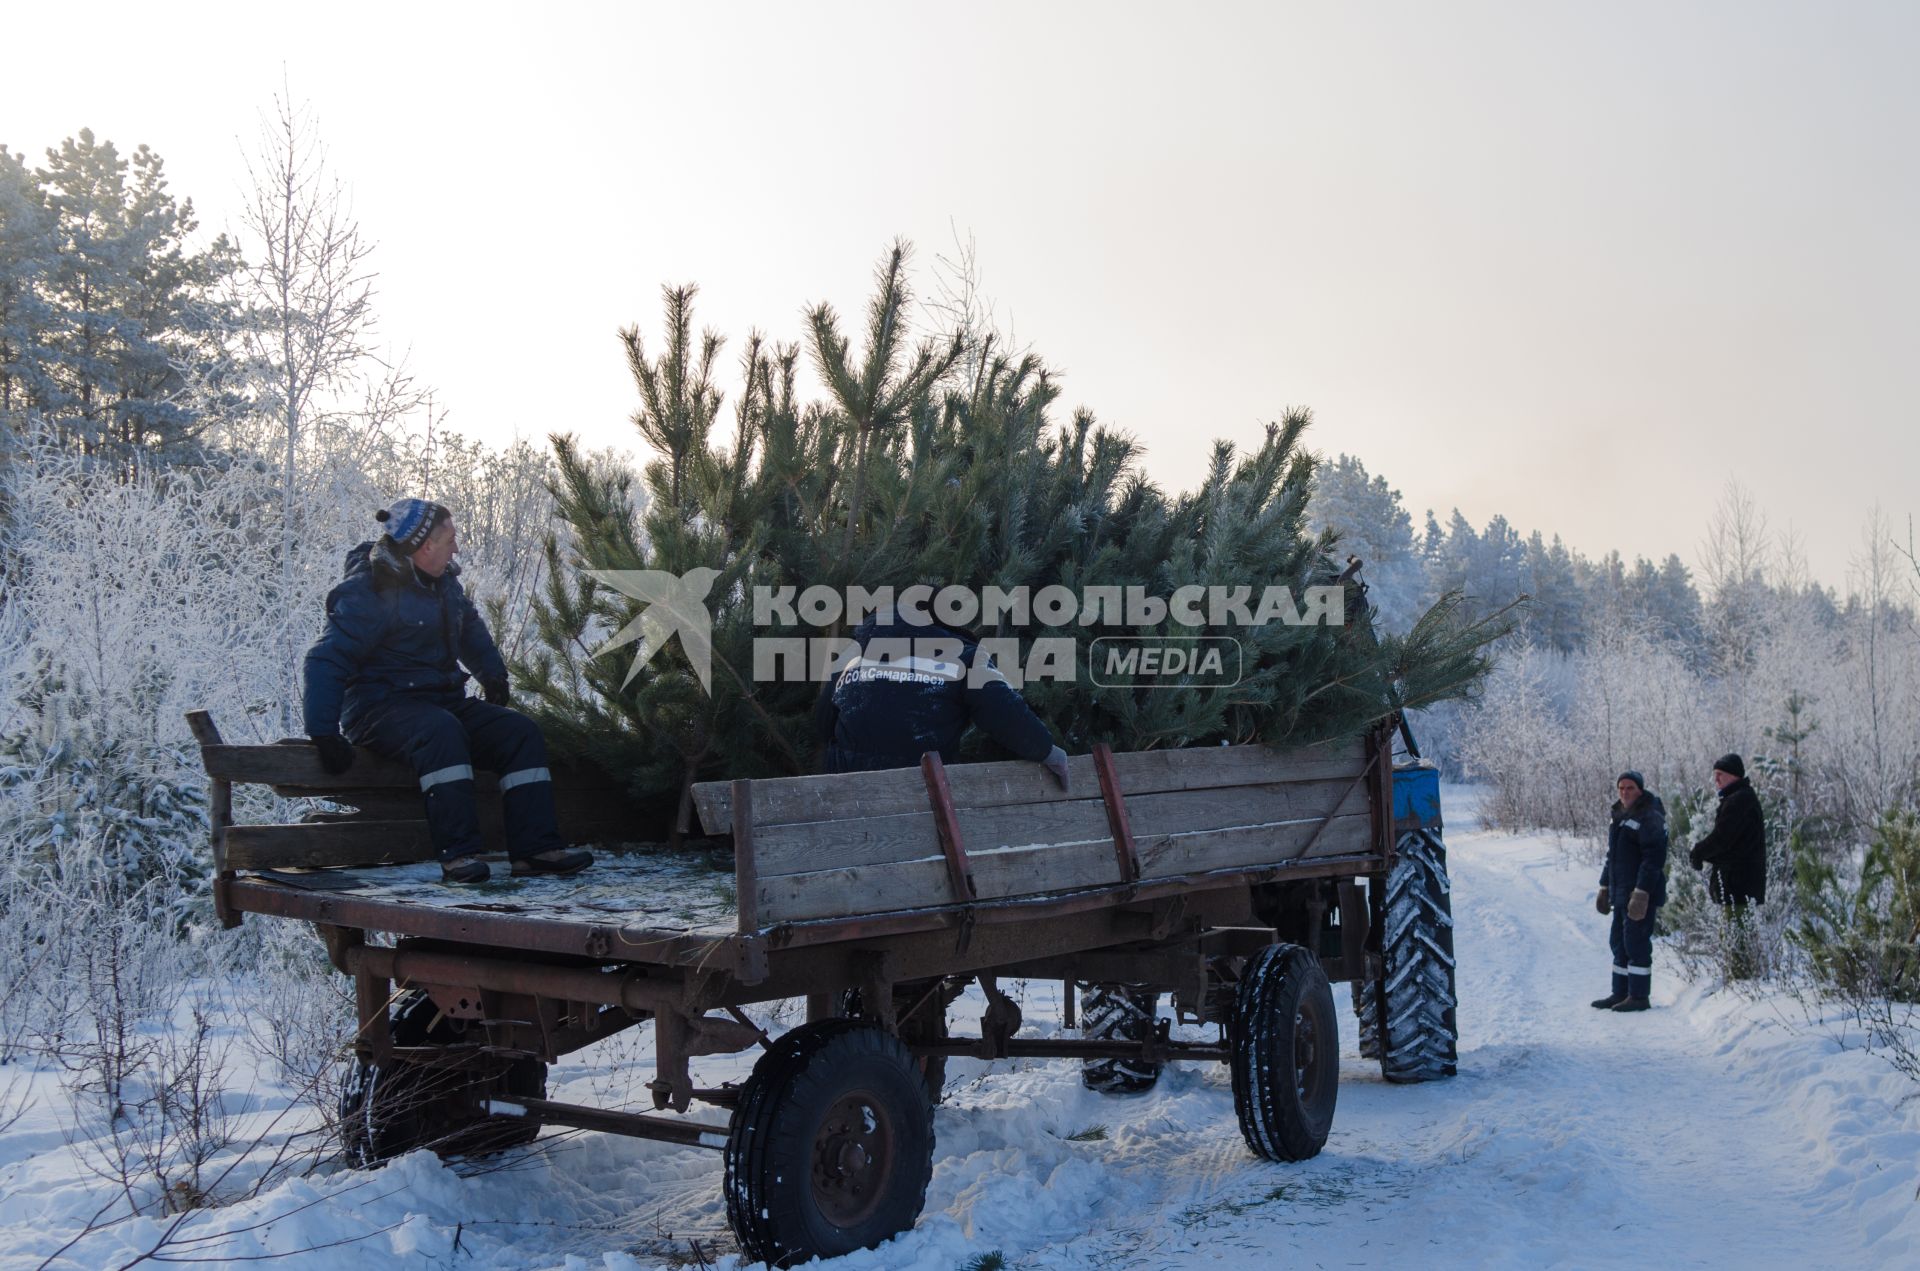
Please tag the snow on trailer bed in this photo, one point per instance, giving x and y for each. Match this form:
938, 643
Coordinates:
646, 892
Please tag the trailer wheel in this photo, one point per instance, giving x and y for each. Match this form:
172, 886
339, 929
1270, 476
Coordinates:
831, 1147
928, 1024
1285, 1054
388, 1112
1416, 947
380, 1113
1118, 1012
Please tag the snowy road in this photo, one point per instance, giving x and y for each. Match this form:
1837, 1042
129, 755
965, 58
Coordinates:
1697, 1134
1704, 1133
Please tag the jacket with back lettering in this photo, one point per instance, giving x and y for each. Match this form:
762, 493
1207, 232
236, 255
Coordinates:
915, 688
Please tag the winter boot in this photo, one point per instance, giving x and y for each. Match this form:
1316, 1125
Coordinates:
1608, 1002
559, 861
464, 869
1634, 1004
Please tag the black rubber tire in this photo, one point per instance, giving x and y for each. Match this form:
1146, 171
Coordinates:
1118, 1012
783, 1139
380, 1113
1366, 1011
1423, 1033
929, 1023
1285, 1054
388, 1113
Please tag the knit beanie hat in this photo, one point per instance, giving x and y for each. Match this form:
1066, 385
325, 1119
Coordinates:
1731, 765
410, 521
1631, 775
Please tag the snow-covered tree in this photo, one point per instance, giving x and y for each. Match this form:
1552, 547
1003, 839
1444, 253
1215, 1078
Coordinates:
328, 404
1557, 616
138, 332
26, 256
1372, 523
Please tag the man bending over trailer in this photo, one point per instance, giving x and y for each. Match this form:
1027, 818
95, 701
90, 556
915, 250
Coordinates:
386, 672
914, 687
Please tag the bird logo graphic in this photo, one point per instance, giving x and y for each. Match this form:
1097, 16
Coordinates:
676, 604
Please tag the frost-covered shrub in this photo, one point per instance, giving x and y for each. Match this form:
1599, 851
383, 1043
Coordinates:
137, 808
1862, 933
1859, 929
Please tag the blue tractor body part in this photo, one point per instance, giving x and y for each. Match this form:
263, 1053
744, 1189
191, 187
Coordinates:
1416, 798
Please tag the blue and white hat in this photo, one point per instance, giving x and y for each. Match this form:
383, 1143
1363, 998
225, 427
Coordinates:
410, 521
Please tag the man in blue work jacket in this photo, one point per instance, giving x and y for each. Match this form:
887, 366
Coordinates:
915, 686
386, 673
1633, 886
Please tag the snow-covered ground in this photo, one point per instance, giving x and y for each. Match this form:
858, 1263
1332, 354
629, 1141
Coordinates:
1705, 1133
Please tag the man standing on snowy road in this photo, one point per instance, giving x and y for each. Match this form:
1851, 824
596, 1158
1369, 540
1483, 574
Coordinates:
1736, 847
1736, 851
1633, 885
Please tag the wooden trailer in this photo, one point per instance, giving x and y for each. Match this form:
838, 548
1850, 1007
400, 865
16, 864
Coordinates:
1233, 882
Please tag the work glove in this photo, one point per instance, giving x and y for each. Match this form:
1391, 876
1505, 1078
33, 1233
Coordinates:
336, 752
1637, 905
1603, 902
496, 692
1056, 763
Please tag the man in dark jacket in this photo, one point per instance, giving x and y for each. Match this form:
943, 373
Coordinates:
386, 673
916, 686
1736, 847
1633, 885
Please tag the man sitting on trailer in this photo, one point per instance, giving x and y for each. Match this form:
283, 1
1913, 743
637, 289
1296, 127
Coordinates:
386, 672
915, 686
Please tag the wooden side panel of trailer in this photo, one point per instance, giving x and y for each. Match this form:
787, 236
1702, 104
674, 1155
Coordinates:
854, 844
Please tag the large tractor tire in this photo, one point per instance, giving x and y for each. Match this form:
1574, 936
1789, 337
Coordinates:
1285, 1054
831, 1146
1421, 1036
927, 1023
1118, 1012
392, 1110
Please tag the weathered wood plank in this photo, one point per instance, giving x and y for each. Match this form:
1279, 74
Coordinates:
315, 846
204, 730
898, 791
362, 841
1024, 871
300, 766
809, 846
1249, 846
867, 889
295, 768
583, 815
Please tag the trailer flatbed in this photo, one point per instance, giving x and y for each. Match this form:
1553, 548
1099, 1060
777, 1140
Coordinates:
1236, 882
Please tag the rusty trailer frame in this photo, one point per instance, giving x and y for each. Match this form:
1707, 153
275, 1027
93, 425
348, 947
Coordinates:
538, 987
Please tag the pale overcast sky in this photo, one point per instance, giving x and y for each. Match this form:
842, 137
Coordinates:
1579, 264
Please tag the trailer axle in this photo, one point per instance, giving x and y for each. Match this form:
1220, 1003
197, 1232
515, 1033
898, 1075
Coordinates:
632, 1124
